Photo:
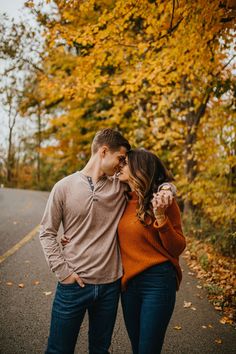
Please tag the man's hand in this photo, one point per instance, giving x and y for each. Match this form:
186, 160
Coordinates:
73, 278
64, 240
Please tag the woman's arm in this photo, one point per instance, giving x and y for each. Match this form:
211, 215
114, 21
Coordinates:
168, 224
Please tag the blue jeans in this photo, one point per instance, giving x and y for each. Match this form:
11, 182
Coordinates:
70, 304
148, 304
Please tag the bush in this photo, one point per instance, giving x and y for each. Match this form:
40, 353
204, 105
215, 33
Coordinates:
223, 239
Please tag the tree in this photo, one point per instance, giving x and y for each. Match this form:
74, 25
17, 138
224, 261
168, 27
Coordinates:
10, 98
148, 68
17, 43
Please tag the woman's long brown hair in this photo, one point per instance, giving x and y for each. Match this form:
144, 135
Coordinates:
147, 173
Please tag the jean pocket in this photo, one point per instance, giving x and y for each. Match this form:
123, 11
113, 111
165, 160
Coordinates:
69, 285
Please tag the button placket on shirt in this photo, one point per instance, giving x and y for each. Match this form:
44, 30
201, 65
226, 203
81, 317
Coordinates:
92, 188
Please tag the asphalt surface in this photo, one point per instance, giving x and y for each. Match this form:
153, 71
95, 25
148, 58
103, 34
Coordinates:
25, 312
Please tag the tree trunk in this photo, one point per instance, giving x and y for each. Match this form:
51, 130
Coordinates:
192, 122
39, 146
10, 159
10, 154
189, 159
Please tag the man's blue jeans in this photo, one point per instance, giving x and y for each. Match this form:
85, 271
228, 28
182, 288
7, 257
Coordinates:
69, 307
148, 304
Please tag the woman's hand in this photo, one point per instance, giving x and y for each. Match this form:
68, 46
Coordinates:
160, 202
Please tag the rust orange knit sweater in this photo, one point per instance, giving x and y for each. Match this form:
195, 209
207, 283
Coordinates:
144, 246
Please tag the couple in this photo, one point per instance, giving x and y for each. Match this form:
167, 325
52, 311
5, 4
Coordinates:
114, 191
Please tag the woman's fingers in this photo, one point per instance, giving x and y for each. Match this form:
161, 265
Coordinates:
162, 199
167, 198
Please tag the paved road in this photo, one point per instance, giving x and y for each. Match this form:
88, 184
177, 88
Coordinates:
25, 312
20, 212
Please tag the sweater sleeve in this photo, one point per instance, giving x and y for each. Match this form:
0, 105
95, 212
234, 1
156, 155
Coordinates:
170, 231
48, 234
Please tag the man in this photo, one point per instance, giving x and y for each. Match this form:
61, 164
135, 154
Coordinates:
89, 204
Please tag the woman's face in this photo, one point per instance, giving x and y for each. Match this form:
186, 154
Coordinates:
124, 175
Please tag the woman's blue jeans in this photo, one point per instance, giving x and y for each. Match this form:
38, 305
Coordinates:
70, 304
148, 304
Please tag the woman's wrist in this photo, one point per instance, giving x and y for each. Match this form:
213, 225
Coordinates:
159, 216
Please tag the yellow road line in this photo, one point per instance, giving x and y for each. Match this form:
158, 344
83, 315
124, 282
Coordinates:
21, 243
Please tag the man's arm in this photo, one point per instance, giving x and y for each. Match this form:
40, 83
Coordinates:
167, 186
48, 234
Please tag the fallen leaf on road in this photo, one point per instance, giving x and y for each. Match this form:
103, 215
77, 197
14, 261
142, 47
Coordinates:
225, 320
21, 285
204, 326
190, 273
199, 286
187, 304
178, 328
47, 293
228, 287
36, 282
210, 326
9, 283
193, 308
218, 308
218, 341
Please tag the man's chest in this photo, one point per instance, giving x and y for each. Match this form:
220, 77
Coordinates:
90, 200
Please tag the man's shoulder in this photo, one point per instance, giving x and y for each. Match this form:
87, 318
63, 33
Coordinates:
66, 181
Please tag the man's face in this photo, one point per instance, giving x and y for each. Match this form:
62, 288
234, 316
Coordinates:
125, 174
112, 161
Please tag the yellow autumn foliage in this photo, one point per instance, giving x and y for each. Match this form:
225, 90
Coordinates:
157, 71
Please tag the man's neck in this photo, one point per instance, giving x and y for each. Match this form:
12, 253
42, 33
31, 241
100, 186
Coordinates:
93, 169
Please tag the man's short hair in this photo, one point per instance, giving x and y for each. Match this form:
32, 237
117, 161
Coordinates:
112, 138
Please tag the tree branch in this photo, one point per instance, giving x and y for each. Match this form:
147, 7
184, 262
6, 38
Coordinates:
234, 56
172, 15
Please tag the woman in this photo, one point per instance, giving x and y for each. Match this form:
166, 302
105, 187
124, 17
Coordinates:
151, 240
